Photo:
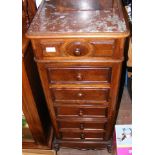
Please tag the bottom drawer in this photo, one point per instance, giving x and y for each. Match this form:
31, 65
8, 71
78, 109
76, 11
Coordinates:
83, 144
82, 135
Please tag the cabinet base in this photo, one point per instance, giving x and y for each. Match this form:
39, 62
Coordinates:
82, 145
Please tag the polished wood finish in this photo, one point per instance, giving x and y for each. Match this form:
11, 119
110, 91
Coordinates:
65, 94
33, 100
79, 53
79, 75
84, 144
84, 135
81, 112
98, 48
33, 104
81, 126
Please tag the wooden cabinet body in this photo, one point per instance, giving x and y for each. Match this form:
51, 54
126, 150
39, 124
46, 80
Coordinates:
79, 55
33, 106
38, 133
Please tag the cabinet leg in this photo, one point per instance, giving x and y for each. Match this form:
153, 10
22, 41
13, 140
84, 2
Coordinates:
56, 147
109, 147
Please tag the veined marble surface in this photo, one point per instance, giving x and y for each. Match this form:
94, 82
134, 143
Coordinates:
49, 20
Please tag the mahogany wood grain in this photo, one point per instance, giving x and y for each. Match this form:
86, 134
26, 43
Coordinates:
79, 75
44, 79
88, 47
27, 96
81, 112
78, 47
82, 126
33, 102
84, 135
80, 94
76, 144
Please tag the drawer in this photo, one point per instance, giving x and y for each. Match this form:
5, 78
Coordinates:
74, 94
51, 48
96, 48
82, 75
82, 135
76, 48
81, 112
86, 145
82, 125
103, 48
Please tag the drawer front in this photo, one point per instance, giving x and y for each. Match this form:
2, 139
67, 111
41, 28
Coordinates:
86, 145
96, 48
82, 75
51, 48
76, 48
103, 48
81, 112
82, 125
81, 94
82, 135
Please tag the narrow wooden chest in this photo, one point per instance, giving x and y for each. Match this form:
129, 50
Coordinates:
78, 47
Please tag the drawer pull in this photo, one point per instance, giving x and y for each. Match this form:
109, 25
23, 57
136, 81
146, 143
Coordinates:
82, 136
77, 52
79, 94
82, 126
80, 112
79, 76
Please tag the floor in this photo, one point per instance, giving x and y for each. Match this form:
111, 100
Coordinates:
37, 152
78, 152
124, 117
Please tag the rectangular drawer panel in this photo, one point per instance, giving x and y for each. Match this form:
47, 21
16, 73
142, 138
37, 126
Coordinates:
82, 75
86, 145
103, 48
83, 135
82, 125
97, 94
81, 112
91, 48
51, 48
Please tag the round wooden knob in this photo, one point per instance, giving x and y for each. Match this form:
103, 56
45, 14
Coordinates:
79, 76
82, 136
77, 52
82, 126
80, 112
79, 94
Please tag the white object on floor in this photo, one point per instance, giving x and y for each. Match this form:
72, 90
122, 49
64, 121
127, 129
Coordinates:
38, 3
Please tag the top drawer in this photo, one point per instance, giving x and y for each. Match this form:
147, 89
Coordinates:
75, 48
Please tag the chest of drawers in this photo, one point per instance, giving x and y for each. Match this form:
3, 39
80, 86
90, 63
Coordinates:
79, 55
